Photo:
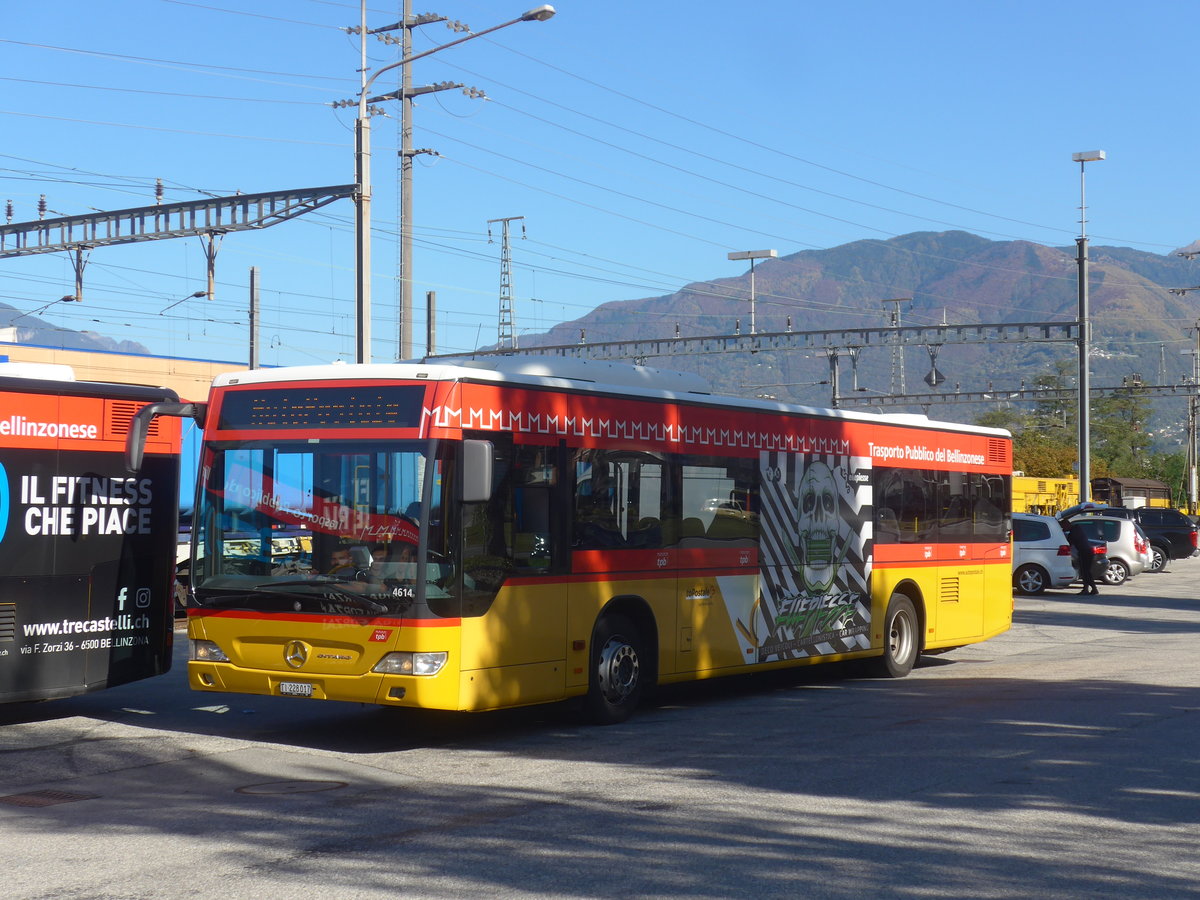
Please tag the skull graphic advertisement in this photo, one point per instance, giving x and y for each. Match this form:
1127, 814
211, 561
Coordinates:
817, 522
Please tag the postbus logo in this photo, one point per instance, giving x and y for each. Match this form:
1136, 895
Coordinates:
4, 492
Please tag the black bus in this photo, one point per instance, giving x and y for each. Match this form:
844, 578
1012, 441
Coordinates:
87, 548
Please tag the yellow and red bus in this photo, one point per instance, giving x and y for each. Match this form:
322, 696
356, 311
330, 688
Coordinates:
510, 531
87, 548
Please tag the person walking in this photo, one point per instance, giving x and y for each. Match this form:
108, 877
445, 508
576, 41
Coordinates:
1082, 545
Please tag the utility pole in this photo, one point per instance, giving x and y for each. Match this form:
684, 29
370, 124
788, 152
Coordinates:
405, 94
1193, 402
362, 162
404, 280
1193, 411
1193, 450
254, 317
404, 254
1085, 337
430, 323
898, 386
506, 337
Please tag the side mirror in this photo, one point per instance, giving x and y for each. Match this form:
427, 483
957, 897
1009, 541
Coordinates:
477, 471
139, 427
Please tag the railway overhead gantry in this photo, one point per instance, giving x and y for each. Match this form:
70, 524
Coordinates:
210, 219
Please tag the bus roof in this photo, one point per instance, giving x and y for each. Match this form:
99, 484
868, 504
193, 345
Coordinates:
42, 371
595, 375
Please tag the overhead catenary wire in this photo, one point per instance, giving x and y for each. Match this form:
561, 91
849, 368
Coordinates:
587, 272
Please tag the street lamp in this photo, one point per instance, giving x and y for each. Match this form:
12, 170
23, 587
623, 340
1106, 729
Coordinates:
752, 255
1085, 454
67, 299
1193, 410
362, 175
192, 296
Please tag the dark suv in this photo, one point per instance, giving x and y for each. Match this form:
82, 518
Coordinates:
1172, 534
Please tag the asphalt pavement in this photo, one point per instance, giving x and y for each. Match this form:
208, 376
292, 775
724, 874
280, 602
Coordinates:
1058, 760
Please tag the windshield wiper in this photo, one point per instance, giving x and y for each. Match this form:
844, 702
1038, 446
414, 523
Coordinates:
329, 586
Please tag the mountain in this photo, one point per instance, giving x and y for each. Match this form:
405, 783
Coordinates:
1138, 326
24, 328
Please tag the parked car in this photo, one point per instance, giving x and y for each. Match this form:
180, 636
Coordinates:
1172, 535
1041, 556
1147, 554
1128, 546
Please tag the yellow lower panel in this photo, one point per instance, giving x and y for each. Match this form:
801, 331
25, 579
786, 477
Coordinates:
427, 692
586, 600
481, 689
324, 660
524, 625
963, 605
204, 676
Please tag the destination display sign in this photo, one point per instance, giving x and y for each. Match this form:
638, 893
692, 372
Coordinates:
312, 406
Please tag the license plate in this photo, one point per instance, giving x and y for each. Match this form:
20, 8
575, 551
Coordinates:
295, 688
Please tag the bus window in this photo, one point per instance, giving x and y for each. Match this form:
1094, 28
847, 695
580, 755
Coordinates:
515, 530
322, 528
719, 499
905, 506
618, 500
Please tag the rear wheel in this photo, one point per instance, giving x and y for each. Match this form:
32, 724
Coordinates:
1116, 573
617, 669
1031, 579
900, 639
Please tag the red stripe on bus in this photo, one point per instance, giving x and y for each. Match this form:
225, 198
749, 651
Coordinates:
940, 554
373, 622
533, 416
598, 561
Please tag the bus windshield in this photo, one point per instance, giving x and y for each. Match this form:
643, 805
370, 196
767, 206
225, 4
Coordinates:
328, 527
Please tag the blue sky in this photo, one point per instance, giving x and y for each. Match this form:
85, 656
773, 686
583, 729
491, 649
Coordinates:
641, 142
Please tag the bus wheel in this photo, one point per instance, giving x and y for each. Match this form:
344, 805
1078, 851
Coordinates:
615, 685
183, 573
900, 638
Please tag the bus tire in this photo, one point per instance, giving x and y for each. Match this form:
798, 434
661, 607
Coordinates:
901, 638
617, 671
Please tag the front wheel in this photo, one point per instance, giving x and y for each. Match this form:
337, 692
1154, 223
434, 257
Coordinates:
617, 670
183, 574
900, 638
1116, 573
1158, 558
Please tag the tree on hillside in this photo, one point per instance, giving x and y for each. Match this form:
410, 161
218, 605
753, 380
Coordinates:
1121, 435
1045, 439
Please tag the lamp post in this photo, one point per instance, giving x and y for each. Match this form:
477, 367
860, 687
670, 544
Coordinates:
1085, 453
752, 255
1193, 411
67, 299
184, 300
362, 176
1191, 424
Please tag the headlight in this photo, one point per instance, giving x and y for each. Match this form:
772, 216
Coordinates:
412, 663
207, 651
